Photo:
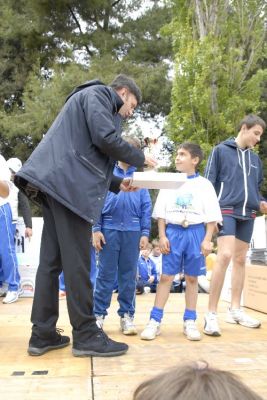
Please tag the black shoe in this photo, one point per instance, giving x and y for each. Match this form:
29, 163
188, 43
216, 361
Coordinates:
40, 345
100, 345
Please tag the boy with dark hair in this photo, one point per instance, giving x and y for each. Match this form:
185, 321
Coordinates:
236, 174
186, 220
123, 229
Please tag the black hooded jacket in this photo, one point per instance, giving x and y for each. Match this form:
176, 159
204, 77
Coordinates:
74, 161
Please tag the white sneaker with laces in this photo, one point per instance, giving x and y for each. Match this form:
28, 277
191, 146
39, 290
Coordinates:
127, 325
191, 331
211, 326
100, 321
11, 296
151, 330
3, 290
238, 316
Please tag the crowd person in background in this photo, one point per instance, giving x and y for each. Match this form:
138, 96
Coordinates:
9, 276
194, 381
123, 229
69, 175
186, 218
146, 272
18, 201
236, 174
178, 284
156, 257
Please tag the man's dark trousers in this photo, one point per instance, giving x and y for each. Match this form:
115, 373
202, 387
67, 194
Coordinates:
65, 245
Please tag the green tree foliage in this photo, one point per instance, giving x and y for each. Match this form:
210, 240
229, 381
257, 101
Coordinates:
48, 47
263, 143
219, 48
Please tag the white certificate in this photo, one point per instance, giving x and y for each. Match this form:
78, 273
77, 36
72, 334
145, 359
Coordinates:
158, 180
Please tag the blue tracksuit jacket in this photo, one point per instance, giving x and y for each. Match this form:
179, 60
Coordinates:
126, 211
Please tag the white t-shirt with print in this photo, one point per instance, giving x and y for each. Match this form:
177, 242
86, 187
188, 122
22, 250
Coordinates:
195, 201
4, 176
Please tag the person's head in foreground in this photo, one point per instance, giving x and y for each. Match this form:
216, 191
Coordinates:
194, 381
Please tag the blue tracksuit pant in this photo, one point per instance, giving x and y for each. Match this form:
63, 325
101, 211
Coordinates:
8, 260
118, 258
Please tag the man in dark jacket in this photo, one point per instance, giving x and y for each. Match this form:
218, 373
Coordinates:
69, 174
236, 173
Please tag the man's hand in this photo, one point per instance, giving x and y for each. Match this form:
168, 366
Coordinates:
28, 233
263, 207
98, 240
150, 161
164, 245
151, 279
143, 242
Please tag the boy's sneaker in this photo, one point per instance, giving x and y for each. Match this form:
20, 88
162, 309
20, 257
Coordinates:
3, 290
11, 296
211, 326
191, 331
100, 321
151, 330
39, 346
238, 316
99, 345
127, 325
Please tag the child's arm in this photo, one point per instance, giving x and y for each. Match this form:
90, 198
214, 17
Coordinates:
4, 189
164, 243
145, 221
207, 245
98, 239
143, 242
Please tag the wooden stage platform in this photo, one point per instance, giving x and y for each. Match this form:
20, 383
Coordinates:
58, 375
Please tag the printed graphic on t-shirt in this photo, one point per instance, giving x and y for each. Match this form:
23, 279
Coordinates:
184, 201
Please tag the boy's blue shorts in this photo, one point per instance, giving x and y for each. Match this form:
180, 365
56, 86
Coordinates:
185, 255
242, 229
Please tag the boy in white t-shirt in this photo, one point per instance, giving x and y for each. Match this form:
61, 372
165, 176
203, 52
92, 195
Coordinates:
186, 220
8, 258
